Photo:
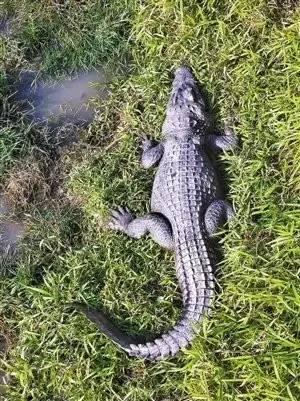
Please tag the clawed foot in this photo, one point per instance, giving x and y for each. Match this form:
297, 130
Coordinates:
120, 218
146, 143
230, 138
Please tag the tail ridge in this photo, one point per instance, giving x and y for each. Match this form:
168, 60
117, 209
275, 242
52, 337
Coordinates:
168, 344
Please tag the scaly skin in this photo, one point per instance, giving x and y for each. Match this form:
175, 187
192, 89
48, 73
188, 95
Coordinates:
187, 208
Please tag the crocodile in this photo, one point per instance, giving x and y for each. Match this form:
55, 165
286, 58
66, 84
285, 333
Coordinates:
187, 208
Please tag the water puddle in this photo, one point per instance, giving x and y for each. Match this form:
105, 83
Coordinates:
68, 101
11, 232
58, 108
5, 26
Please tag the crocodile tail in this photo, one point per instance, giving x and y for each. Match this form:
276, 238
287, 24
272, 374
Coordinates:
164, 346
104, 324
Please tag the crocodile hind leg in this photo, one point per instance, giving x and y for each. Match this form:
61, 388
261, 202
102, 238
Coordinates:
217, 213
154, 224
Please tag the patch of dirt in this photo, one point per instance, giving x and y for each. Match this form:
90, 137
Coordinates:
24, 184
281, 10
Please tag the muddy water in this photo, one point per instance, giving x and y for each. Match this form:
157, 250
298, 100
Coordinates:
11, 231
67, 101
10, 234
59, 106
5, 26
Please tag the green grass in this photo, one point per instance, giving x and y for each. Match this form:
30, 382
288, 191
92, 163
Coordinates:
246, 55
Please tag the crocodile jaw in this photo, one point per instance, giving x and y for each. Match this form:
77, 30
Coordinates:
186, 111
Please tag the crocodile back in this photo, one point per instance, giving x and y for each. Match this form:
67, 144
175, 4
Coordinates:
184, 186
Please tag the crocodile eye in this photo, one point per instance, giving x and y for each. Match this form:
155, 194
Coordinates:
197, 111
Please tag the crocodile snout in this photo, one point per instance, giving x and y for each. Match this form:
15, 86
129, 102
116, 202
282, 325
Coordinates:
183, 73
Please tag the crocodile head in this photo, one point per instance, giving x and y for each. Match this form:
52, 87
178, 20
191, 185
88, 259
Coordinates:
186, 113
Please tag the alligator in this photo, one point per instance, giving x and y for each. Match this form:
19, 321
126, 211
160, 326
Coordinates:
187, 208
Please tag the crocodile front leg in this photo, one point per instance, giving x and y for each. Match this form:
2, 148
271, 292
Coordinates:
152, 152
226, 141
154, 224
217, 213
